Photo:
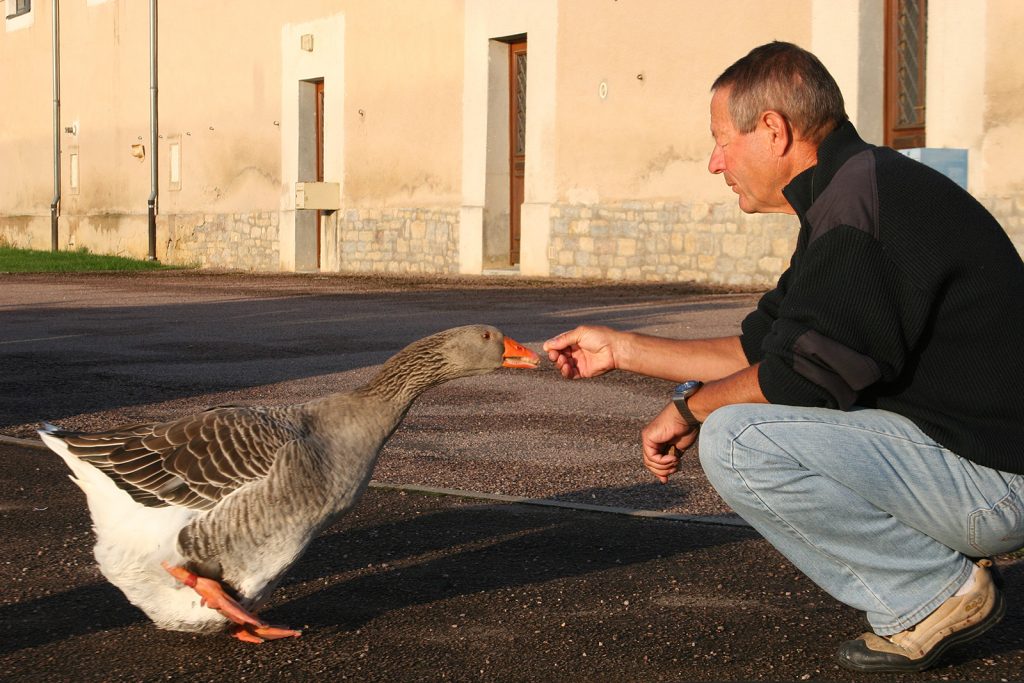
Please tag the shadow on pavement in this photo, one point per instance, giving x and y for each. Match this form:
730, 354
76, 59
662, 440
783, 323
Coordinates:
125, 341
353, 574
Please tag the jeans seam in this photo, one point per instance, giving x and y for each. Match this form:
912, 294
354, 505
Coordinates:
1007, 501
930, 443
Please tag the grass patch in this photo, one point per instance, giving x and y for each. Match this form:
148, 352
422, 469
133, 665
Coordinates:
81, 260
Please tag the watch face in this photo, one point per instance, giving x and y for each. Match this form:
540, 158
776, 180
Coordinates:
687, 389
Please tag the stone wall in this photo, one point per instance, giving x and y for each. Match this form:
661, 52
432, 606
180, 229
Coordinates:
248, 241
631, 241
670, 242
706, 243
392, 240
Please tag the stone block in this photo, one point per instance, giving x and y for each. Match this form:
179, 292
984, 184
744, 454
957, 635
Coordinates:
734, 245
770, 265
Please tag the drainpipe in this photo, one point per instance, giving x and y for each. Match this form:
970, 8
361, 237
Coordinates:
153, 132
55, 202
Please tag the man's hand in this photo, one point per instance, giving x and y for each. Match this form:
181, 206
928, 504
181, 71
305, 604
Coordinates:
583, 352
663, 439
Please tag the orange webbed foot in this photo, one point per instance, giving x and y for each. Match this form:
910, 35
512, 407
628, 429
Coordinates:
259, 634
214, 597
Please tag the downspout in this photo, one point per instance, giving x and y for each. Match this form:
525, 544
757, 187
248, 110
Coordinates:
153, 132
55, 202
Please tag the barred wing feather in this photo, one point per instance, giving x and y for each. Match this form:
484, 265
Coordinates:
192, 462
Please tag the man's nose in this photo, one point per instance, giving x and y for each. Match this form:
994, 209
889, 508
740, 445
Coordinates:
716, 164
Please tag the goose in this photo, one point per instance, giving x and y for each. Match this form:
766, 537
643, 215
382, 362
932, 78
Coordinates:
198, 519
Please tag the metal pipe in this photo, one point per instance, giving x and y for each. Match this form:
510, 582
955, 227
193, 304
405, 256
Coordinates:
55, 202
153, 131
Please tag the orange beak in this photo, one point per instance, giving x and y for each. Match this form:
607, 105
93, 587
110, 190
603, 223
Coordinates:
518, 356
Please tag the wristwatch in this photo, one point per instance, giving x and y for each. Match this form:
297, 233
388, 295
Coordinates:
679, 396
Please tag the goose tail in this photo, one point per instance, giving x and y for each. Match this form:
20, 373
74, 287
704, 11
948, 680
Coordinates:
107, 503
131, 542
50, 434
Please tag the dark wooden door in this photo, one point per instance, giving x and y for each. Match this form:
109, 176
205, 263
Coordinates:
905, 40
517, 142
319, 160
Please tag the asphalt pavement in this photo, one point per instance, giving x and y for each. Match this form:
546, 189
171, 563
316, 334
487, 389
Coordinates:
412, 586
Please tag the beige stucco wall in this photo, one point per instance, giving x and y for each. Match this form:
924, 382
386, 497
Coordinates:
26, 185
849, 38
648, 138
975, 100
401, 125
1002, 173
617, 128
1000, 180
635, 200
221, 99
404, 73
221, 114
392, 129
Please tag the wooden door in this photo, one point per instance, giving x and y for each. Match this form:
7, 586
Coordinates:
517, 142
906, 25
319, 160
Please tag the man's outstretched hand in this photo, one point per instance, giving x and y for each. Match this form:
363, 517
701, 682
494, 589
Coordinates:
583, 352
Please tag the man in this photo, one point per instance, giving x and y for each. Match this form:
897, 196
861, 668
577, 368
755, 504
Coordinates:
868, 420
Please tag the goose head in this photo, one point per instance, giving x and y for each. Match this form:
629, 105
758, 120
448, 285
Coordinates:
447, 355
476, 350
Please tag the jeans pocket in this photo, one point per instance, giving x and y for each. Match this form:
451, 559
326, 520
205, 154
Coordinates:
1000, 528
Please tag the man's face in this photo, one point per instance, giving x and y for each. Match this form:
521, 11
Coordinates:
747, 161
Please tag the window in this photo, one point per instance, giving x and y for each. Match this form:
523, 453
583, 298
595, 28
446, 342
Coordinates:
19, 6
905, 40
74, 183
174, 161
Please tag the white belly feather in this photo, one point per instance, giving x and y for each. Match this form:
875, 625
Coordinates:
131, 542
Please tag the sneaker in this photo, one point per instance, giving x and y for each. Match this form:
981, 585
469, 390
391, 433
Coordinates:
959, 619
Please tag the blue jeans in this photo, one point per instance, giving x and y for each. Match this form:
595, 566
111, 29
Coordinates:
863, 502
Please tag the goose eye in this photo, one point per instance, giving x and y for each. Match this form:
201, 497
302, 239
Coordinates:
487, 335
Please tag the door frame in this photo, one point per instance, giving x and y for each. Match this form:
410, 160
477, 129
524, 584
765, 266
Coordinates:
319, 107
516, 145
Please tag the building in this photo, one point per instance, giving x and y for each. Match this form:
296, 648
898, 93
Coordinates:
542, 137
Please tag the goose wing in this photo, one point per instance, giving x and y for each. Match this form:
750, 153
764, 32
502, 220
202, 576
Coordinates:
191, 462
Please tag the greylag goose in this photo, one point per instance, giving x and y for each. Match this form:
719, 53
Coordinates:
198, 519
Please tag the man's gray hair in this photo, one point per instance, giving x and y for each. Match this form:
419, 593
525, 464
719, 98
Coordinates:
785, 78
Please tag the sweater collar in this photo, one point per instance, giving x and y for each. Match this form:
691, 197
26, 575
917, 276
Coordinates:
837, 147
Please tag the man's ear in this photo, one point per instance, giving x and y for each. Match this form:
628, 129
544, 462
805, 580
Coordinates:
779, 131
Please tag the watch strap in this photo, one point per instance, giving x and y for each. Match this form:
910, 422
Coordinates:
680, 398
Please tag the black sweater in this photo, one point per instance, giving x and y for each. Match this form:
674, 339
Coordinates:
903, 294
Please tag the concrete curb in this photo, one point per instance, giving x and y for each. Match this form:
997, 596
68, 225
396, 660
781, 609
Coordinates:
26, 443
498, 498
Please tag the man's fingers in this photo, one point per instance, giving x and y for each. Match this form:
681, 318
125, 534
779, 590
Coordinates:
663, 458
662, 465
662, 473
565, 366
561, 341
